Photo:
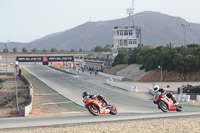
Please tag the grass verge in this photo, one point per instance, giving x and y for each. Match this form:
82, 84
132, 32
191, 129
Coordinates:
43, 88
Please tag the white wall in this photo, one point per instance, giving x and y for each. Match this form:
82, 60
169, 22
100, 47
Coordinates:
111, 76
121, 85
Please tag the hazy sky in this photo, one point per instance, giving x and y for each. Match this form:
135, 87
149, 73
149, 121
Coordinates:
27, 20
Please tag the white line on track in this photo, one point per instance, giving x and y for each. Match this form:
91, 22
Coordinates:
56, 103
83, 85
73, 112
46, 94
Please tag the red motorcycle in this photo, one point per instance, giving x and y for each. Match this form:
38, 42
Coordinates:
96, 107
165, 104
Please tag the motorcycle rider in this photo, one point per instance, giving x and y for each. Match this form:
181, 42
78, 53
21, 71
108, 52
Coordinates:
159, 90
86, 95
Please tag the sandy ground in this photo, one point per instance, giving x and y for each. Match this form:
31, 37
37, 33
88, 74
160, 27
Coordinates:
8, 91
38, 100
165, 125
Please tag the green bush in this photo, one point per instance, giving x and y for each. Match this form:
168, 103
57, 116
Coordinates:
168, 57
1, 80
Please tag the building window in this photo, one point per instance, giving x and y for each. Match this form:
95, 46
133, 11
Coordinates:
118, 43
121, 32
130, 41
118, 33
121, 42
125, 32
130, 32
134, 41
125, 43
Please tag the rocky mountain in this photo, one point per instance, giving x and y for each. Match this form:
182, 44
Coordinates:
157, 29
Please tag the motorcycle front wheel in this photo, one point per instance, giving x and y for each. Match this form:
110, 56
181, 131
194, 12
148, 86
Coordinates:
163, 106
93, 109
113, 109
179, 108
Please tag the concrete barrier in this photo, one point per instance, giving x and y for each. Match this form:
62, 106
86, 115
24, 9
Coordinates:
187, 98
192, 101
182, 98
120, 85
28, 108
198, 98
111, 76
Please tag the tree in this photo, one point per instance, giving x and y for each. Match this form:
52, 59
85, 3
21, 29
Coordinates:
80, 50
44, 50
53, 50
14, 50
5, 50
168, 57
121, 58
107, 48
34, 50
98, 49
72, 50
24, 50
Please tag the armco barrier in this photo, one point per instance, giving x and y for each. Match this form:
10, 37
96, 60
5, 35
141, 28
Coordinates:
120, 85
111, 76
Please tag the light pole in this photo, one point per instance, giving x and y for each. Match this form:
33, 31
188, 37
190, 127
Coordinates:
82, 56
185, 34
16, 87
6, 50
160, 67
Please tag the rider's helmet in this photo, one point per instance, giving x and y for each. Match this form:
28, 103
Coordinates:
156, 88
85, 94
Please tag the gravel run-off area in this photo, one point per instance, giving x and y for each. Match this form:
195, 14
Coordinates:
165, 125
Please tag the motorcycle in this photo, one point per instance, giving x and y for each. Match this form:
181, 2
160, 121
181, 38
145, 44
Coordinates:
97, 107
166, 104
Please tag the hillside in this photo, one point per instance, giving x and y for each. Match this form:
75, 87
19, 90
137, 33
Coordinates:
169, 76
157, 29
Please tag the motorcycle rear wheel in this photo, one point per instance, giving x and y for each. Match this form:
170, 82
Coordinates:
93, 109
163, 106
113, 109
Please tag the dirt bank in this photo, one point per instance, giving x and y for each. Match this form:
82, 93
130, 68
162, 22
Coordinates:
170, 76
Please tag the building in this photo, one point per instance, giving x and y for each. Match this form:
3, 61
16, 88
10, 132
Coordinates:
125, 37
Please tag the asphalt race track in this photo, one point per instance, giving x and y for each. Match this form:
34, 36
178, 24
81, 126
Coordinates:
71, 87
